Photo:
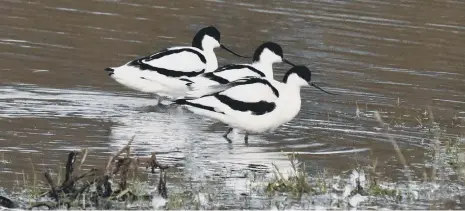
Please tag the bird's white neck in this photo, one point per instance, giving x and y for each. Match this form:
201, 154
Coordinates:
290, 103
293, 90
293, 80
265, 67
212, 61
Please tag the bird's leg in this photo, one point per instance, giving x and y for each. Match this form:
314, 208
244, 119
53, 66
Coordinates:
158, 100
225, 135
227, 132
246, 138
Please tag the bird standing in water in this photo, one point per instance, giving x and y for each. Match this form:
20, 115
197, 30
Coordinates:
159, 73
263, 59
253, 104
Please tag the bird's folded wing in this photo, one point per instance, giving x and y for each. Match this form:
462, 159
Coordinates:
255, 95
252, 71
251, 89
235, 72
248, 89
182, 59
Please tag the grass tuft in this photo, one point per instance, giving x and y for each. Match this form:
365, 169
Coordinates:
295, 183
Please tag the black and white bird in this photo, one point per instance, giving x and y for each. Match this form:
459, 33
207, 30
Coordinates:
159, 73
263, 59
253, 104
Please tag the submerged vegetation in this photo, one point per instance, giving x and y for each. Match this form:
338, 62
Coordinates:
437, 183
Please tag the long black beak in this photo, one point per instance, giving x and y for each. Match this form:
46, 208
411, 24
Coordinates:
314, 85
288, 62
230, 51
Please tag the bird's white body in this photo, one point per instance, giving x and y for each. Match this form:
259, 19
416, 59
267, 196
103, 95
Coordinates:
166, 82
254, 107
185, 59
160, 73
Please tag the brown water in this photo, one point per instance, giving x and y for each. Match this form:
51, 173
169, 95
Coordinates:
396, 57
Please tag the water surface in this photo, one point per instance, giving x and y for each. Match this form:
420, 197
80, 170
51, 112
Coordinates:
396, 57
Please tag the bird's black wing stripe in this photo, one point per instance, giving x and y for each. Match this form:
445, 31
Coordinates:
170, 73
186, 80
239, 66
175, 51
252, 80
225, 67
185, 102
216, 78
189, 82
257, 108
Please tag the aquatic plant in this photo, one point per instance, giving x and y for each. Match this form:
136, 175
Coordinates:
100, 188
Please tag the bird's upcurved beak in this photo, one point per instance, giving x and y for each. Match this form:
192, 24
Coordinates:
288, 62
232, 52
316, 86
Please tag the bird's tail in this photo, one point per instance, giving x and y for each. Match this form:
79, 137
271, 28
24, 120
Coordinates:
110, 71
188, 103
197, 91
186, 80
180, 101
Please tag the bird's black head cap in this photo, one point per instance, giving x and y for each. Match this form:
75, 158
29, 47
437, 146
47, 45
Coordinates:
273, 47
210, 31
301, 71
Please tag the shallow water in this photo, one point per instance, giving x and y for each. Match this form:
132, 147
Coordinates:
396, 57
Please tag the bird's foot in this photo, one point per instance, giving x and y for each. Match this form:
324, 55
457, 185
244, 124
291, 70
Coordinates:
225, 135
